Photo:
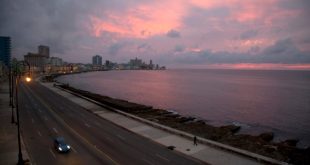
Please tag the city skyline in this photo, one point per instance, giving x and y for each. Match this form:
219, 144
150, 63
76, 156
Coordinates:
188, 34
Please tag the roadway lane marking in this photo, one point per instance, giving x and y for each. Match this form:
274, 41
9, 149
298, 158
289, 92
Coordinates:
148, 162
68, 127
39, 133
119, 136
53, 153
87, 125
74, 149
55, 130
163, 158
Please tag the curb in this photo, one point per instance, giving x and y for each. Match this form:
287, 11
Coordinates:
257, 157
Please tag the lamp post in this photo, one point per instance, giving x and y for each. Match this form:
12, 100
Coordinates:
10, 85
20, 156
17, 79
11, 88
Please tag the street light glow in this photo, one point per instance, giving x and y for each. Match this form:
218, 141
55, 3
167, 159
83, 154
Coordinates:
28, 79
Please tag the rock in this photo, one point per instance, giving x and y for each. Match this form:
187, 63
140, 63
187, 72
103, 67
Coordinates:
270, 148
231, 128
290, 142
267, 136
171, 147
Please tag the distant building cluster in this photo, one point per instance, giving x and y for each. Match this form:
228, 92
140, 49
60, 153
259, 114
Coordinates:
41, 62
133, 64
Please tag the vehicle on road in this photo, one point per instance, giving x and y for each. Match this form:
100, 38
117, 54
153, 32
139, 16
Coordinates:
60, 145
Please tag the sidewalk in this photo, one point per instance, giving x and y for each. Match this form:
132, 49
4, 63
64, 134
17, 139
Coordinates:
8, 131
206, 153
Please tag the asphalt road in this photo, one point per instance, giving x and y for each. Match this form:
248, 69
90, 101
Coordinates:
45, 115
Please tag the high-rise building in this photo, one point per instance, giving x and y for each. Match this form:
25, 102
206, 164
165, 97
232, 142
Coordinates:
151, 65
5, 50
97, 60
135, 63
55, 61
44, 50
35, 60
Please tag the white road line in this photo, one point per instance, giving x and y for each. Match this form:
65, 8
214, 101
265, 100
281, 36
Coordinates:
70, 129
119, 136
73, 149
148, 162
87, 125
161, 157
39, 133
55, 130
53, 153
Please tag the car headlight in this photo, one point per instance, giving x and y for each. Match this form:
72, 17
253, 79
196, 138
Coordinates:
59, 148
68, 147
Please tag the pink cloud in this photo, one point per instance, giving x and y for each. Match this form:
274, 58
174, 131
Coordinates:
141, 21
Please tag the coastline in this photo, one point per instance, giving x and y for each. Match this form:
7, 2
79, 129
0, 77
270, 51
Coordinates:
262, 144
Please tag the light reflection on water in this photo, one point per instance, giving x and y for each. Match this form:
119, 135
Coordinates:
276, 101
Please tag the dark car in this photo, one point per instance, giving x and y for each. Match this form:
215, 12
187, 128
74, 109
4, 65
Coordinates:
60, 145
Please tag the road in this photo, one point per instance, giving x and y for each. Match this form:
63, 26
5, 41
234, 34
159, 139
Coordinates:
45, 115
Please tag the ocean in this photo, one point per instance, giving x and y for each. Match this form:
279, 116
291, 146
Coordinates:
257, 100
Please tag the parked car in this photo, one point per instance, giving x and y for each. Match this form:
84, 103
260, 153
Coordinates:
60, 145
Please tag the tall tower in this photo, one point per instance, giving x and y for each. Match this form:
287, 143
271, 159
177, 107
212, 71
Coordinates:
44, 50
5, 50
97, 60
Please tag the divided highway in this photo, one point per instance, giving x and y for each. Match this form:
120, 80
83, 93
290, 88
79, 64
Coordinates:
46, 115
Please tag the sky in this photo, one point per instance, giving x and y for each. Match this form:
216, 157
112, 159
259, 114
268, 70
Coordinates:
176, 33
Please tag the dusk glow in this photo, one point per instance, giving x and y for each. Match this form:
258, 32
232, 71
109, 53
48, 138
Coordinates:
174, 33
155, 82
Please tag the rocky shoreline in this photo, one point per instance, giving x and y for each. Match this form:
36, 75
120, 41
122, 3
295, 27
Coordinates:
262, 144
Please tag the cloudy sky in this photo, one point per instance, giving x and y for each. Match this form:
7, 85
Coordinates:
176, 33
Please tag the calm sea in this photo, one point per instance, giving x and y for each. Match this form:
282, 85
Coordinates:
259, 101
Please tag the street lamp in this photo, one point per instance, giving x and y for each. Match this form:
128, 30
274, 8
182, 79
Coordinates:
11, 88
17, 78
28, 79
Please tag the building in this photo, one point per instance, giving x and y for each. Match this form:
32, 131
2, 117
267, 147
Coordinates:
151, 65
55, 61
5, 51
135, 63
44, 50
36, 61
97, 60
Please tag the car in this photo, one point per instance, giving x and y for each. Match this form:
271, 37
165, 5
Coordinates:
60, 145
